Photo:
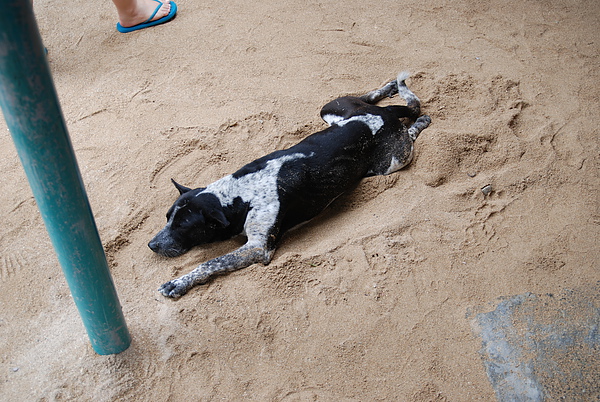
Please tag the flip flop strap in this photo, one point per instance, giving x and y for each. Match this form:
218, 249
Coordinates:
160, 4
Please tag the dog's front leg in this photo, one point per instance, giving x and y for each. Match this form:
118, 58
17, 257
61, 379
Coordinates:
248, 254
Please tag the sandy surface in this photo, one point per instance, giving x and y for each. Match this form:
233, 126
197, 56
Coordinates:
368, 302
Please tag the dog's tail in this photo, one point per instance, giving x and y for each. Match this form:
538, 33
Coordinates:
403, 76
412, 102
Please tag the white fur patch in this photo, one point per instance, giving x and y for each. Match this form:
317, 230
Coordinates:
332, 118
374, 122
259, 189
396, 165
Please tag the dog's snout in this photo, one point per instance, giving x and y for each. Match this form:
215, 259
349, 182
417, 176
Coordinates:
166, 246
153, 245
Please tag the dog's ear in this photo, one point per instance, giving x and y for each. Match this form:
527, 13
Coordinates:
218, 216
180, 188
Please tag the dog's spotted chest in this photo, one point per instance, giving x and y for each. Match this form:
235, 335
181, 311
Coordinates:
258, 189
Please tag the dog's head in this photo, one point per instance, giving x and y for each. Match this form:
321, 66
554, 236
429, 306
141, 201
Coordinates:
195, 218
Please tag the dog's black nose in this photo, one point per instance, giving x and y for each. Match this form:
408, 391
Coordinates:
153, 246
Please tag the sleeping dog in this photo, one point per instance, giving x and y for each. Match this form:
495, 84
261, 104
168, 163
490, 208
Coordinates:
288, 187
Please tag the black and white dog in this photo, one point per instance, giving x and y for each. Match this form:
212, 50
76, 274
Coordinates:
285, 188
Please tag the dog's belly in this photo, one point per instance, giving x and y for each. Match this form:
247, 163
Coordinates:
306, 189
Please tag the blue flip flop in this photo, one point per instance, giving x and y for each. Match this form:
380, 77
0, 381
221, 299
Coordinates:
149, 23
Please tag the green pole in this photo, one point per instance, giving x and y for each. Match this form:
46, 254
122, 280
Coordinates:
34, 118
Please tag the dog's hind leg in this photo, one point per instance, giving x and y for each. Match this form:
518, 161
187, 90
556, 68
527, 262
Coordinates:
421, 124
397, 86
347, 106
387, 91
413, 104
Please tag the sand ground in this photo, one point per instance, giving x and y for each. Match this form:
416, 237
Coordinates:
368, 302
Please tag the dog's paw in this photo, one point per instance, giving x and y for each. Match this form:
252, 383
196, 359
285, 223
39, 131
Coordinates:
174, 289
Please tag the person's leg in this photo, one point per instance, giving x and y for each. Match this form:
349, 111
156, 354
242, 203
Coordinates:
134, 12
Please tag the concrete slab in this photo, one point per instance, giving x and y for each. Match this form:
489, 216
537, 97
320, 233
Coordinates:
542, 347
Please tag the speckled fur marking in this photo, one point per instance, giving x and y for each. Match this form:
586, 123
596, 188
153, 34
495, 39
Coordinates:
260, 189
289, 187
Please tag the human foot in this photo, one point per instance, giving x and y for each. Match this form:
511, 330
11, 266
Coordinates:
138, 14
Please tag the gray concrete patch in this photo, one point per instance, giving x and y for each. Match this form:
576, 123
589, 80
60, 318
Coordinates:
542, 347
